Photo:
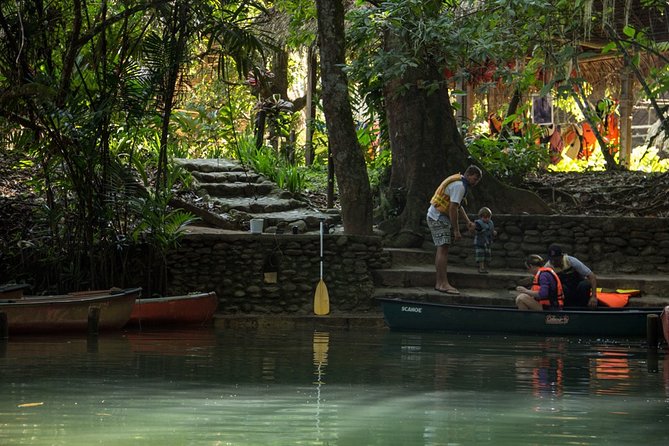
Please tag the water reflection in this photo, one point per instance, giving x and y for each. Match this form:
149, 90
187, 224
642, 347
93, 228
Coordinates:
321, 342
277, 387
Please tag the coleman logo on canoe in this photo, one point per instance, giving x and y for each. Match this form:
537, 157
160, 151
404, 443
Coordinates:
412, 309
552, 319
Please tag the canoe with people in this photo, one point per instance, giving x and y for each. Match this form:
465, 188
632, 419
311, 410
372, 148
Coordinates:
414, 315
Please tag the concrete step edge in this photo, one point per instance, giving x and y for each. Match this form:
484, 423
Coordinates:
519, 273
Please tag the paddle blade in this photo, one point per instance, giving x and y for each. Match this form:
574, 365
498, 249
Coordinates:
321, 299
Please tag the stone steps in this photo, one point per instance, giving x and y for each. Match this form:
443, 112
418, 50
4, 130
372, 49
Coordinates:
239, 189
231, 187
210, 165
460, 277
262, 204
412, 276
226, 177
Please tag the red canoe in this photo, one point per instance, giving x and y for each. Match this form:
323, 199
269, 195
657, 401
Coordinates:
175, 310
12, 291
70, 312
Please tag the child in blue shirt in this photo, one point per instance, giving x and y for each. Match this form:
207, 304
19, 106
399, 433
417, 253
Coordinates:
484, 233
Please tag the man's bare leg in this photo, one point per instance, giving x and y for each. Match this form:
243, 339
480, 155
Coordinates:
441, 264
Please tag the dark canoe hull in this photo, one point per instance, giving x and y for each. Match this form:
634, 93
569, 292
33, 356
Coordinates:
187, 309
12, 291
68, 313
402, 314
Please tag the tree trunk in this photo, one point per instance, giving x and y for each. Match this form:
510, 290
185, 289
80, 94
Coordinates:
349, 162
427, 147
280, 81
310, 111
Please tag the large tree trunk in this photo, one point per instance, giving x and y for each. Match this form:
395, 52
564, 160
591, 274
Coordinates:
349, 162
427, 147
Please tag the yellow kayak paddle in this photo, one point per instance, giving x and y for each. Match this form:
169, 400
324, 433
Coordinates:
321, 298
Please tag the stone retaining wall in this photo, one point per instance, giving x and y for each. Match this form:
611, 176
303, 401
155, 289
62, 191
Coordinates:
241, 267
608, 245
266, 273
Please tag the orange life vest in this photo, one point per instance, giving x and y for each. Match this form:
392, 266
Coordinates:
589, 141
536, 287
440, 199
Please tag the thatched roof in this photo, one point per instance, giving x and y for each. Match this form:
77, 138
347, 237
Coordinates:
605, 72
614, 15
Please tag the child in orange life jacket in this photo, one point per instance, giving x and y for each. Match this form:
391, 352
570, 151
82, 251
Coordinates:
484, 232
546, 288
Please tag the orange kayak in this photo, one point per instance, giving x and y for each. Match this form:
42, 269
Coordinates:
187, 309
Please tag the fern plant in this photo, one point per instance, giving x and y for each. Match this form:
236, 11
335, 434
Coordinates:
268, 163
159, 226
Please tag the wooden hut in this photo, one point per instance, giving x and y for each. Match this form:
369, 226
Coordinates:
610, 73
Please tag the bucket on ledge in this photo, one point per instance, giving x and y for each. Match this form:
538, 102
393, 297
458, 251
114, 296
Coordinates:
257, 225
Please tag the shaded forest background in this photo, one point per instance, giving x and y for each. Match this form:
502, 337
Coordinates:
357, 104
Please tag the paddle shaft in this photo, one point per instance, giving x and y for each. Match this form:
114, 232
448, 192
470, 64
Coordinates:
321, 250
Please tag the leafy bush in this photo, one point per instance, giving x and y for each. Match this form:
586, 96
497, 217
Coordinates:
644, 159
378, 169
648, 160
290, 178
316, 177
210, 118
510, 160
268, 163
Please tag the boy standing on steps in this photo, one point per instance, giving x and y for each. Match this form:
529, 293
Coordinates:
484, 233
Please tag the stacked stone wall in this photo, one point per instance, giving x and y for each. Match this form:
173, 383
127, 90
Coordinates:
608, 245
264, 274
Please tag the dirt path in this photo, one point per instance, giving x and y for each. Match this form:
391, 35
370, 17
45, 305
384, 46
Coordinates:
623, 194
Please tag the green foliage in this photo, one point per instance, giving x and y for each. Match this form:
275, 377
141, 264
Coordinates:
268, 163
93, 89
644, 159
369, 138
156, 223
290, 178
279, 119
647, 159
159, 225
208, 122
316, 178
87, 101
378, 169
509, 160
302, 21
320, 141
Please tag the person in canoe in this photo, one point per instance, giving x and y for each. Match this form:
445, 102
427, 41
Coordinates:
546, 291
579, 282
442, 219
